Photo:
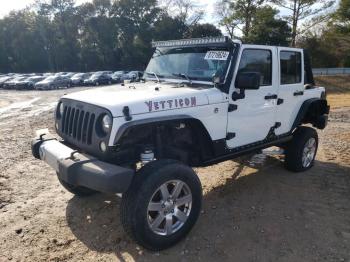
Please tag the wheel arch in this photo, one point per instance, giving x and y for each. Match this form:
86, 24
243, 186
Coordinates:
205, 142
313, 111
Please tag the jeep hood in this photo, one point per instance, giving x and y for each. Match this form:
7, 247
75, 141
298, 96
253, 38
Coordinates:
147, 97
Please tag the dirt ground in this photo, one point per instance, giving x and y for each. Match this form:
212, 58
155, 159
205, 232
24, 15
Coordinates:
253, 209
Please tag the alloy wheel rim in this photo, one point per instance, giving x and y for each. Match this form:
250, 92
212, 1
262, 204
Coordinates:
169, 207
309, 152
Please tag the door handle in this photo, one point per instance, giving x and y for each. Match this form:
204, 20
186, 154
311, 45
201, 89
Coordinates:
270, 97
299, 93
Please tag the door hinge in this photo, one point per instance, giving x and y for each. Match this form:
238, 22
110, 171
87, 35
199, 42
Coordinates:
232, 107
230, 136
280, 101
237, 96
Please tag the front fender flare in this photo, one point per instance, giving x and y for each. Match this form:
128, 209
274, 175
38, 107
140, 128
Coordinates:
153, 120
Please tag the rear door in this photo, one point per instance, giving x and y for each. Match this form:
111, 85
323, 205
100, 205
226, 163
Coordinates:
253, 115
291, 87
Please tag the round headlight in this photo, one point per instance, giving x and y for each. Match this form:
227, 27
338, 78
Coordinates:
60, 110
106, 123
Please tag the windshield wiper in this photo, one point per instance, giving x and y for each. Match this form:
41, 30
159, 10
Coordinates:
184, 76
155, 75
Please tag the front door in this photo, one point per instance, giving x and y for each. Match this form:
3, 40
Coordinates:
253, 115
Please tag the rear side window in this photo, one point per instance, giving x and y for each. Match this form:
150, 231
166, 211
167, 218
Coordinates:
260, 61
290, 67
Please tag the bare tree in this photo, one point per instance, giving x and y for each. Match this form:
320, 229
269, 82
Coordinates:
189, 12
302, 10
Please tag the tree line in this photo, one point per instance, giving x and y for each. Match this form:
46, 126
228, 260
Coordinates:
59, 35
320, 26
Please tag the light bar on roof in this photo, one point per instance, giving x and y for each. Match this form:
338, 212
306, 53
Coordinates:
194, 41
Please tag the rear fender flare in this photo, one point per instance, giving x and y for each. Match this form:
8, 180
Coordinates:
311, 110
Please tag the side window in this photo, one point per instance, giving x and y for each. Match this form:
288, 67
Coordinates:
290, 67
257, 60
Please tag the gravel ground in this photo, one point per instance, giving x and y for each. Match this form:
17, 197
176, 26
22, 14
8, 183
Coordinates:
254, 210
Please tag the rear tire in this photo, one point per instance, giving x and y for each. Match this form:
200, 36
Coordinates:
301, 150
77, 190
155, 219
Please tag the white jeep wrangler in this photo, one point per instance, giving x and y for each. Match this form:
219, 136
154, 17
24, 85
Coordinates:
201, 102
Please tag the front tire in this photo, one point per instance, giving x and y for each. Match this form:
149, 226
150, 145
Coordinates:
77, 190
162, 205
301, 150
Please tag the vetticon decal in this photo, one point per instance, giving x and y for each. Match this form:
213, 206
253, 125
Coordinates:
170, 104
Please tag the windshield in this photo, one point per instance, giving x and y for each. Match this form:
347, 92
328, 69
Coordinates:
35, 78
18, 79
51, 78
117, 74
96, 75
194, 63
76, 76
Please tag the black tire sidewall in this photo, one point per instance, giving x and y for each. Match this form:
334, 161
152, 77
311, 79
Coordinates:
295, 149
141, 230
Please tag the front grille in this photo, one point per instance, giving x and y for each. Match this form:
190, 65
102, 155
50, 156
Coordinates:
78, 124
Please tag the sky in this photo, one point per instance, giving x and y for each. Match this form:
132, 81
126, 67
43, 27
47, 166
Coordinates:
7, 5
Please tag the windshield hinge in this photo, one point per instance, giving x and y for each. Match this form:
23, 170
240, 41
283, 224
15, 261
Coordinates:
232, 107
230, 136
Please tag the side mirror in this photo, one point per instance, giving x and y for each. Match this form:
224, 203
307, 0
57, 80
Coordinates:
248, 80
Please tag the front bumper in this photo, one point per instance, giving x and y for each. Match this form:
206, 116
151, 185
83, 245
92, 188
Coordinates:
89, 82
80, 169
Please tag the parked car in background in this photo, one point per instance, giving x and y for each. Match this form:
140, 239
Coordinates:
11, 74
78, 79
53, 82
11, 84
69, 75
29, 83
61, 73
133, 76
116, 77
99, 78
48, 74
4, 79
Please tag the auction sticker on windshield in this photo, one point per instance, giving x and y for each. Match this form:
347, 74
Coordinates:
216, 55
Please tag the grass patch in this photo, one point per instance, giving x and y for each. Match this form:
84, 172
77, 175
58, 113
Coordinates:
334, 84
